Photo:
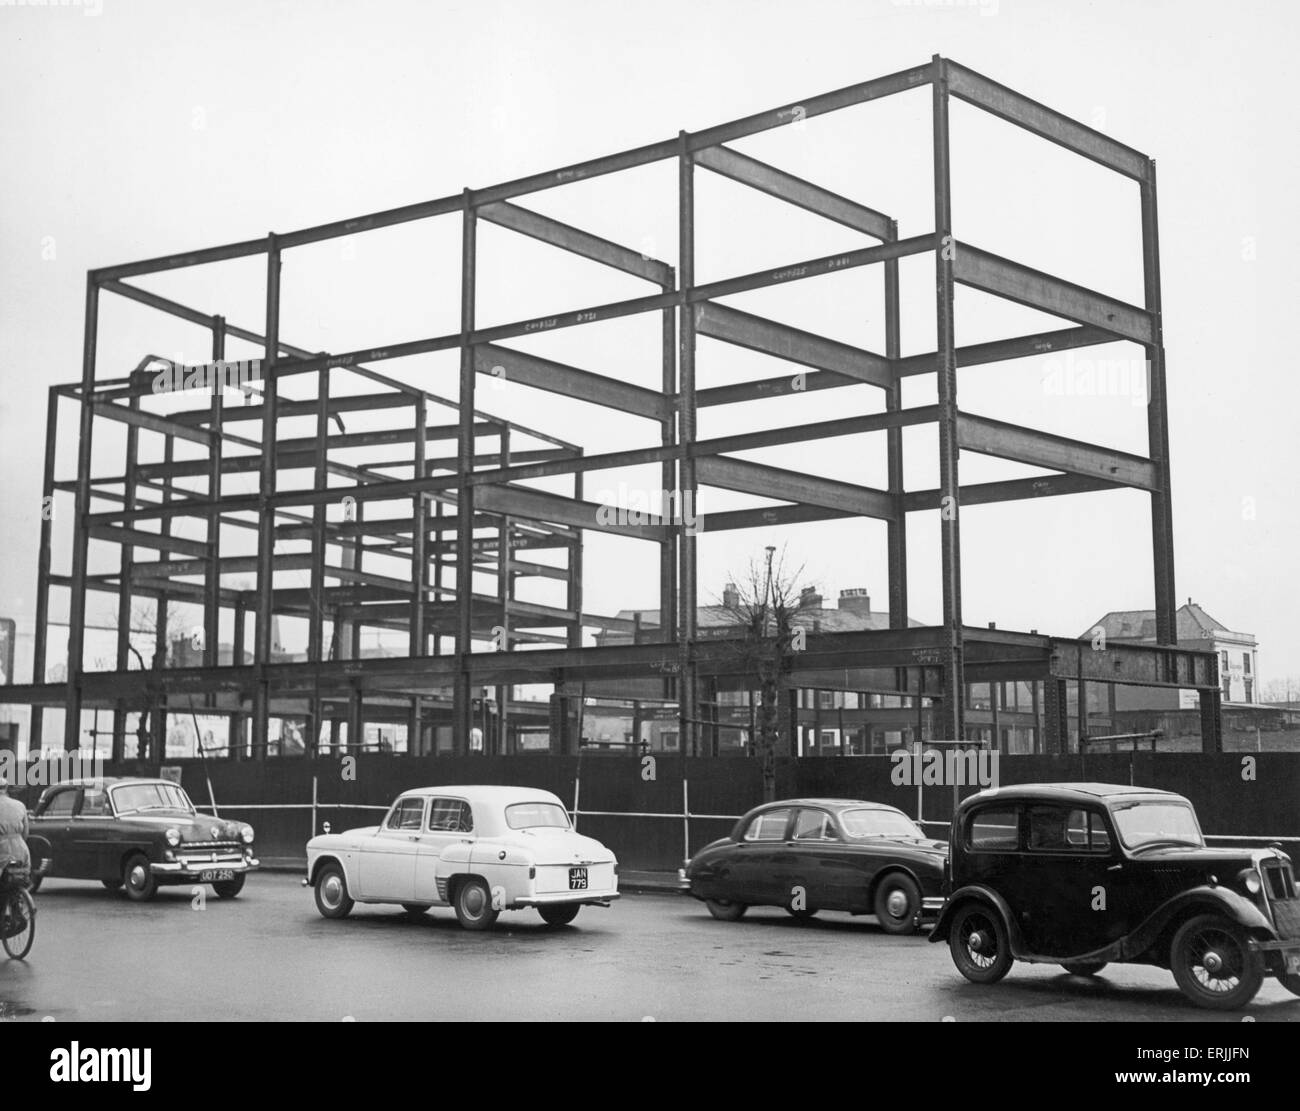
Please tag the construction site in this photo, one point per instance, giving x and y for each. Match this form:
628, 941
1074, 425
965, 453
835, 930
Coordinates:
280, 487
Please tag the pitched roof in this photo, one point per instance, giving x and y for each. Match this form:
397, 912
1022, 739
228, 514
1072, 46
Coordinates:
826, 620
1193, 623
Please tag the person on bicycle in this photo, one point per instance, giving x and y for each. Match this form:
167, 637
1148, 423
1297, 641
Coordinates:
13, 828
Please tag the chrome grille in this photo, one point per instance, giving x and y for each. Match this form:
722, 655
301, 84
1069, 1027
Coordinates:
1286, 915
1279, 880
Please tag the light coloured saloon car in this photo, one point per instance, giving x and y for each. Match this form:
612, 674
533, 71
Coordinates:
479, 850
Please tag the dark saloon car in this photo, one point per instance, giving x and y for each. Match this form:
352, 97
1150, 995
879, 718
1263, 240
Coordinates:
808, 855
136, 834
1086, 874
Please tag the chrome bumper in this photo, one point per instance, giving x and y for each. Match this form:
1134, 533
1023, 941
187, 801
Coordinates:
559, 898
181, 870
932, 905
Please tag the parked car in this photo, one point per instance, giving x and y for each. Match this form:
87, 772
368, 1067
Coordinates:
1086, 874
808, 855
136, 834
480, 850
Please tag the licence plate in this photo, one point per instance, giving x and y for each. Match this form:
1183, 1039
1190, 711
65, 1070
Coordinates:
577, 879
216, 875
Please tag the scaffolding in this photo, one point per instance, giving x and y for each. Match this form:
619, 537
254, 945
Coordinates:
470, 513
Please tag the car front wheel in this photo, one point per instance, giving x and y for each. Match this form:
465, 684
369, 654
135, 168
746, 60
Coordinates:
1083, 968
725, 911
979, 946
332, 899
228, 889
559, 916
897, 903
474, 909
1214, 965
138, 879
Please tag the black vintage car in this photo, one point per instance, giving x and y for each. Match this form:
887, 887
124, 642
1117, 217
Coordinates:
1086, 874
136, 834
808, 855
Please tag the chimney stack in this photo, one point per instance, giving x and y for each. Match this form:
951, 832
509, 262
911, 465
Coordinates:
855, 599
809, 599
731, 596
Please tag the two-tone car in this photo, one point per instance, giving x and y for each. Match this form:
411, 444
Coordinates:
809, 855
137, 835
478, 849
1088, 874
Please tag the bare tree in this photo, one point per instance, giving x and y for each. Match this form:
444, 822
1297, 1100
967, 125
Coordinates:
763, 607
1280, 690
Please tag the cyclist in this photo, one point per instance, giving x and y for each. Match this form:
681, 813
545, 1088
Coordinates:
13, 828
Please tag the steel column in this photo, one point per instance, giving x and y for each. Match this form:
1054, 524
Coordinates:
686, 489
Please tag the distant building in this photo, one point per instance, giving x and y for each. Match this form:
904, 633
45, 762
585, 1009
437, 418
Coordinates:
1195, 629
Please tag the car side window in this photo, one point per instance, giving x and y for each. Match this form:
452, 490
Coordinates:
407, 814
450, 816
995, 830
1059, 829
769, 826
94, 803
814, 825
60, 805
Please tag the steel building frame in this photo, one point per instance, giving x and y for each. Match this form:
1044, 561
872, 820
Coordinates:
480, 488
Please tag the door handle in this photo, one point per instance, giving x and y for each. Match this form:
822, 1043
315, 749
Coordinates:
1114, 867
414, 836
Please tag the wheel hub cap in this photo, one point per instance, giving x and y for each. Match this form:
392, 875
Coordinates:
137, 876
978, 942
1213, 962
896, 904
333, 890
474, 902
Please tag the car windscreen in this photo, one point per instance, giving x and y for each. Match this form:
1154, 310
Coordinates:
534, 815
1151, 823
133, 798
878, 823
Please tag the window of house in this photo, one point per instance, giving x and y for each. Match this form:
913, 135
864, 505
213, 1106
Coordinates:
1250, 688
1245, 662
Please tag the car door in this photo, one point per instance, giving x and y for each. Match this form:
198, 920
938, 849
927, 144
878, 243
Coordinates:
450, 822
387, 860
53, 823
1071, 899
95, 836
760, 873
821, 862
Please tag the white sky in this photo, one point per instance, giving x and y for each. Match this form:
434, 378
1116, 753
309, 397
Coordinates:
148, 128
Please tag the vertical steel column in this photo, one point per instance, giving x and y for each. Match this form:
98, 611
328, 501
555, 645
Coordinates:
668, 437
81, 534
162, 616
505, 591
686, 486
896, 534
949, 484
573, 601
126, 564
419, 535
263, 642
1056, 726
212, 595
40, 642
1162, 529
1211, 703
316, 618
462, 709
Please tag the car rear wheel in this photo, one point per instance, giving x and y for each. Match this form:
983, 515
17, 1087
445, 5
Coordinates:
1083, 968
897, 904
228, 889
138, 879
1214, 965
724, 910
979, 946
559, 916
474, 909
332, 899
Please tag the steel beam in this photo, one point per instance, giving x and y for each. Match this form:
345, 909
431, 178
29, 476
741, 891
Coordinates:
1015, 489
583, 385
773, 482
791, 344
537, 505
1042, 449
1014, 282
793, 190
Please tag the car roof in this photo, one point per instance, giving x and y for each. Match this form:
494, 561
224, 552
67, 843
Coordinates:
110, 781
1070, 792
485, 793
830, 803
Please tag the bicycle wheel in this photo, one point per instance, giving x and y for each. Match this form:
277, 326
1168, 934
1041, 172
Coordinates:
21, 908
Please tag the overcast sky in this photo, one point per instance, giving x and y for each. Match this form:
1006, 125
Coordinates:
135, 129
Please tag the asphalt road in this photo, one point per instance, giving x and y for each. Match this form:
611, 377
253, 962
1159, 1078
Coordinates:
268, 955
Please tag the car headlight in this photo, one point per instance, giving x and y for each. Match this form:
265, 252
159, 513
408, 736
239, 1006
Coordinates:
247, 835
173, 837
1250, 880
